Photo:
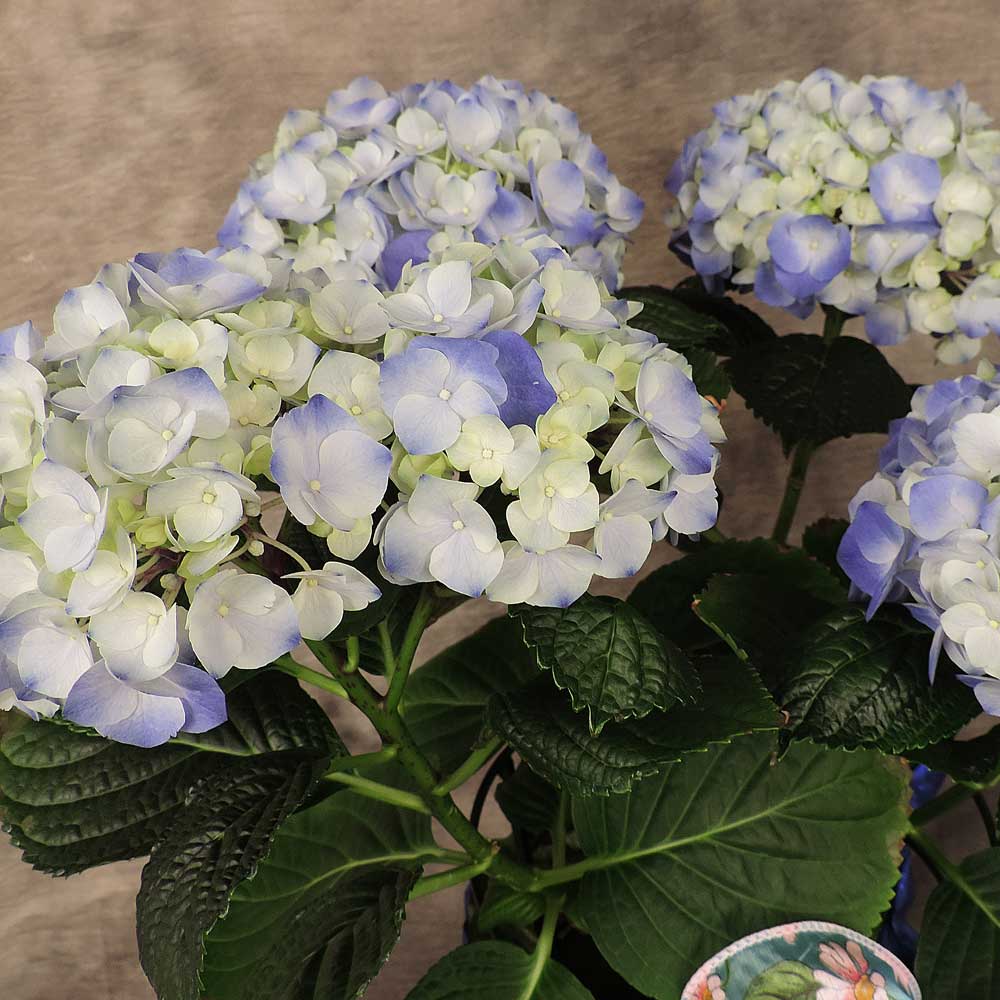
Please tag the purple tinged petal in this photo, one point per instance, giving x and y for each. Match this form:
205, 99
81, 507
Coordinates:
529, 393
808, 252
872, 551
203, 700
191, 283
122, 712
904, 186
941, 504
410, 247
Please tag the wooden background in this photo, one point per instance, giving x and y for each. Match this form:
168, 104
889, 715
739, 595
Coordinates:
127, 127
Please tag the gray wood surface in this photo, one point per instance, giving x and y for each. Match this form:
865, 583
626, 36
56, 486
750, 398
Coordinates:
128, 126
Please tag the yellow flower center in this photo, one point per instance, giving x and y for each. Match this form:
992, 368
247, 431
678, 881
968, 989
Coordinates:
864, 990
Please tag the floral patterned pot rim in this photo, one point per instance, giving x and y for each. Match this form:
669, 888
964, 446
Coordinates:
839, 963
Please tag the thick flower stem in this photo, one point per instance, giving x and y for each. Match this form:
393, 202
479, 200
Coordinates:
288, 666
935, 859
446, 879
404, 661
376, 790
832, 325
943, 803
793, 490
543, 947
393, 731
358, 761
468, 768
986, 814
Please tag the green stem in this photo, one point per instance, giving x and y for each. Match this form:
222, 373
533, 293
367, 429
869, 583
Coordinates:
472, 763
288, 666
393, 731
987, 816
281, 547
543, 947
833, 323
945, 802
714, 536
353, 654
388, 653
941, 865
383, 793
793, 490
418, 623
445, 880
559, 832
355, 762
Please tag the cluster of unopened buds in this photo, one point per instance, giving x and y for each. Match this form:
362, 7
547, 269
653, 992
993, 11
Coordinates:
494, 423
878, 197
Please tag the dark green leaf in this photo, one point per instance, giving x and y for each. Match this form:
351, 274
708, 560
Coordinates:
217, 842
743, 325
446, 697
784, 981
296, 911
528, 800
728, 843
553, 740
495, 970
666, 595
697, 335
609, 658
707, 373
822, 539
73, 800
975, 762
349, 931
757, 617
959, 953
808, 389
851, 683
504, 906
673, 322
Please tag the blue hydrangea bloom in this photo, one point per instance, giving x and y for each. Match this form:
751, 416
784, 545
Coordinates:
877, 197
487, 162
924, 530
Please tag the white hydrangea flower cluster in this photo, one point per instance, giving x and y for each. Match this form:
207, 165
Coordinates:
878, 197
468, 421
926, 528
377, 177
